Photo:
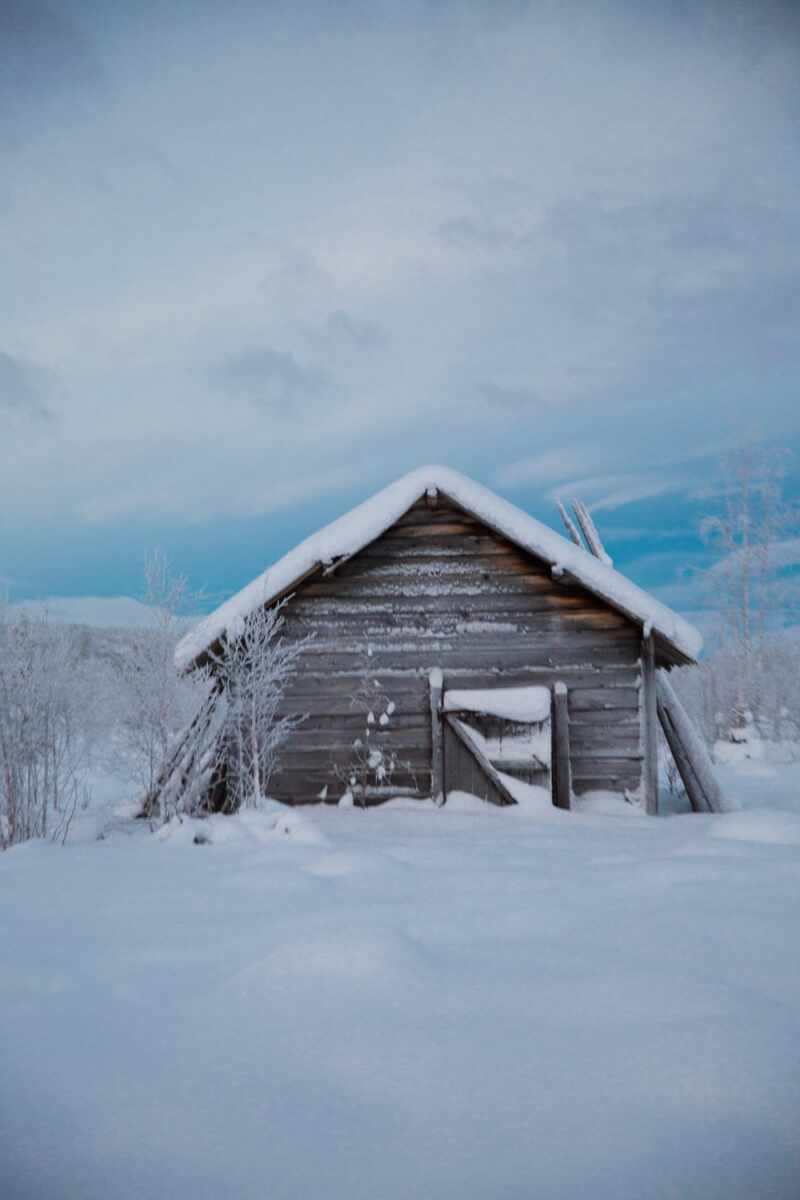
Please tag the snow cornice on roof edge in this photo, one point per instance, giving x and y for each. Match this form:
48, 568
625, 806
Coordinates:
367, 521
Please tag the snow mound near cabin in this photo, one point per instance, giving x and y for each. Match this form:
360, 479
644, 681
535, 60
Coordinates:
755, 783
272, 823
608, 804
465, 802
530, 798
770, 827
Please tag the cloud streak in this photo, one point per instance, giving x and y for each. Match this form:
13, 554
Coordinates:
271, 380
23, 391
610, 492
561, 251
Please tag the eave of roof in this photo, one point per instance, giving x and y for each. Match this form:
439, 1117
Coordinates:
367, 521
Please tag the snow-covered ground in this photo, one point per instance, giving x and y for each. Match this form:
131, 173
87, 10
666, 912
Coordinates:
470, 1003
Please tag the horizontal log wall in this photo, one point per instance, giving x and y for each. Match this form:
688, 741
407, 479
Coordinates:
440, 590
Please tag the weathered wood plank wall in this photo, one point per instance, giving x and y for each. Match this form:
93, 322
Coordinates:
440, 590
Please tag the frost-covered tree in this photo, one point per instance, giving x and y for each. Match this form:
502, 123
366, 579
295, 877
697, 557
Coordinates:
155, 704
752, 535
711, 693
253, 667
48, 717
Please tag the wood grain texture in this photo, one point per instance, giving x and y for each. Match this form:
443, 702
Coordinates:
649, 727
562, 762
441, 590
437, 742
468, 769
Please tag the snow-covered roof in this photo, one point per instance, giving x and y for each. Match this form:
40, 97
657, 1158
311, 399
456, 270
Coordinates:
366, 522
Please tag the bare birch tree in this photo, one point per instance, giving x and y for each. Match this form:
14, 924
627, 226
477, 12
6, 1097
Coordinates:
156, 705
46, 727
751, 595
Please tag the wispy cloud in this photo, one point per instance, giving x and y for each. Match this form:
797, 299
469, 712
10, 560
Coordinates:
24, 389
783, 553
270, 379
615, 491
361, 334
512, 398
512, 263
542, 470
343, 338
48, 65
474, 233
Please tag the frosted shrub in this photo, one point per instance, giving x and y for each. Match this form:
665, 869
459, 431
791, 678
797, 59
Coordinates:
253, 669
371, 764
156, 705
46, 727
749, 683
770, 707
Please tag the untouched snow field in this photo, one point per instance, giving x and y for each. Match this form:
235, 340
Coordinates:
408, 1002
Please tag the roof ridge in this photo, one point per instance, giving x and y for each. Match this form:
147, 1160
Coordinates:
349, 533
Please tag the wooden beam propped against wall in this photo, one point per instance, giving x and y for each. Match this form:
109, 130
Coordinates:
660, 702
688, 750
649, 727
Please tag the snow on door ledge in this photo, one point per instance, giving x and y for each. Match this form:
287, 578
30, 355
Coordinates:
530, 705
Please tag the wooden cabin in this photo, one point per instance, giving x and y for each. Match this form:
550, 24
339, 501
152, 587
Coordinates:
460, 645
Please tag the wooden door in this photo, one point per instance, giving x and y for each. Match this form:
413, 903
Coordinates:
497, 742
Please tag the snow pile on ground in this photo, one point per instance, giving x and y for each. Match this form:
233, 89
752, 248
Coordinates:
609, 804
755, 773
270, 822
530, 798
778, 828
465, 802
460, 1002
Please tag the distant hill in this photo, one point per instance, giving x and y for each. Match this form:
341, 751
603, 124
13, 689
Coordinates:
98, 612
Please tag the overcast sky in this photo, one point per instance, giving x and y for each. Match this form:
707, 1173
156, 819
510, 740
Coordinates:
255, 264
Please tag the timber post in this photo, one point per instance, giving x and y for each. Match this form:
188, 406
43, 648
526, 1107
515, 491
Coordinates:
688, 750
560, 767
694, 791
437, 756
649, 726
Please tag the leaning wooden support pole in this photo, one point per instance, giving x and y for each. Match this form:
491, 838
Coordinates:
197, 727
690, 782
649, 727
689, 751
560, 766
437, 757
